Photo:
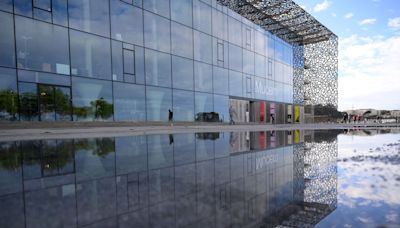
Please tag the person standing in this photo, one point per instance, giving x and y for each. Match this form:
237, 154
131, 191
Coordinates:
170, 116
231, 111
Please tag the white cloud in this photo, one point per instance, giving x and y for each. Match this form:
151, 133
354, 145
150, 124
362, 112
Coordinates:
348, 15
333, 14
303, 7
368, 72
322, 6
394, 23
369, 21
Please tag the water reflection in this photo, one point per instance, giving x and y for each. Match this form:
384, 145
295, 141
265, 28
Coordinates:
230, 179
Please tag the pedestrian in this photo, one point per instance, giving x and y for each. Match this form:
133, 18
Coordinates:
170, 116
272, 118
231, 111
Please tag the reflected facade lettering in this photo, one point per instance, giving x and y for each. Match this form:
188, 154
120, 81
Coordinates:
212, 179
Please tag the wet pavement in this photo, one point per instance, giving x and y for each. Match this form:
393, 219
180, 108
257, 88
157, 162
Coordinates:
267, 178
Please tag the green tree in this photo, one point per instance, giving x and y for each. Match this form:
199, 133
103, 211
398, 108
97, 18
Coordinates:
9, 103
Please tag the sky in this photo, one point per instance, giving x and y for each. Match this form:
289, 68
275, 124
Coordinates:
369, 49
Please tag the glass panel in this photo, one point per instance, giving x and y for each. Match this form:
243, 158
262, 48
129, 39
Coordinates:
203, 77
183, 105
221, 80
8, 94
235, 28
47, 107
139, 65
129, 102
28, 104
42, 15
6, 5
117, 61
220, 53
90, 55
62, 97
259, 42
158, 68
271, 47
43, 4
260, 63
44, 78
221, 106
42, 46
126, 22
202, 47
182, 73
203, 104
92, 99
184, 149
156, 32
248, 62
7, 47
160, 7
181, 40
159, 101
220, 24
201, 16
181, 11
235, 83
23, 7
129, 61
90, 16
235, 58
60, 12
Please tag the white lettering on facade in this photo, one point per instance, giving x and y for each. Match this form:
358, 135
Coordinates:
262, 88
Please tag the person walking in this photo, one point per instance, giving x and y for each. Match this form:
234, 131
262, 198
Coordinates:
170, 116
231, 111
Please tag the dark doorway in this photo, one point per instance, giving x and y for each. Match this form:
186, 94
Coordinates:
54, 103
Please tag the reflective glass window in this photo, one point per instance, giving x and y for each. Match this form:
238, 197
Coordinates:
202, 16
181, 11
271, 47
42, 4
42, 46
28, 104
156, 32
23, 7
235, 28
160, 151
42, 15
181, 40
205, 151
92, 99
182, 73
221, 106
139, 65
7, 47
60, 12
259, 42
160, 7
158, 68
235, 58
158, 102
90, 55
129, 61
235, 83
203, 104
8, 94
260, 63
248, 62
220, 24
202, 47
6, 5
221, 80
183, 105
248, 35
129, 102
126, 22
220, 53
271, 69
203, 77
117, 61
90, 16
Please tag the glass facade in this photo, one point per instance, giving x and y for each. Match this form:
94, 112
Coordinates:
135, 60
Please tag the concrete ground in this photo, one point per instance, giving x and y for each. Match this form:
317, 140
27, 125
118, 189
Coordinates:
48, 130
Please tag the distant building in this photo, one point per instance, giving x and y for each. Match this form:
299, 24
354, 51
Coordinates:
114, 60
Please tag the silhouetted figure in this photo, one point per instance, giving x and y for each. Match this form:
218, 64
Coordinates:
170, 116
272, 118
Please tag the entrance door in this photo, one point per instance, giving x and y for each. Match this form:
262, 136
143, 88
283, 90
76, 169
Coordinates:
54, 103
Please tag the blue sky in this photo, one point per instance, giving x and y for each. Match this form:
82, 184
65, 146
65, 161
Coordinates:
369, 49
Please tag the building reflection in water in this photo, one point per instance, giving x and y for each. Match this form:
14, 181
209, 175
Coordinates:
231, 179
